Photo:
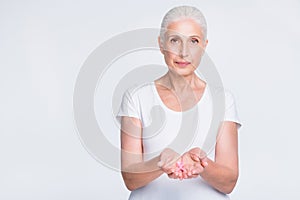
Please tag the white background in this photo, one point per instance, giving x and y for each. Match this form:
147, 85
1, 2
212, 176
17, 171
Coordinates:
44, 43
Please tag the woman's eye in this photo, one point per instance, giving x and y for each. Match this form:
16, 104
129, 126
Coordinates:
194, 41
174, 40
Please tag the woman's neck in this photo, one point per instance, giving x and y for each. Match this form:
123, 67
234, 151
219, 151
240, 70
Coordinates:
179, 83
182, 91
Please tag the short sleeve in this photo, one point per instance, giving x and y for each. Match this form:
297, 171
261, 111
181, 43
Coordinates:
128, 107
231, 113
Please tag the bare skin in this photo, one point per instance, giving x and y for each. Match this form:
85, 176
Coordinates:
180, 89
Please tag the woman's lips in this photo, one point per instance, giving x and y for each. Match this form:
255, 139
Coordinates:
182, 63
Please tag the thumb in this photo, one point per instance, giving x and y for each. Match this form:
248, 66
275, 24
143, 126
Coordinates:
204, 162
195, 157
160, 164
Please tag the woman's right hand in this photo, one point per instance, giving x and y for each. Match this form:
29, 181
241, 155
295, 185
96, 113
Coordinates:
167, 163
189, 165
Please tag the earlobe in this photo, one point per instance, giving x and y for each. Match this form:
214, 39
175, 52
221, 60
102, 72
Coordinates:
206, 42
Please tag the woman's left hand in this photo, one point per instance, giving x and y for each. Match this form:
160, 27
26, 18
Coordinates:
192, 163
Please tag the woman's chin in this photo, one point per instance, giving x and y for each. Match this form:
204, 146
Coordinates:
183, 71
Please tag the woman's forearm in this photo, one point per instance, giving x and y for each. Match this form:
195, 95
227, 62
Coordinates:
220, 177
140, 174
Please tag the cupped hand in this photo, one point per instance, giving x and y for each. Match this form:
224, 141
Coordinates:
189, 165
194, 162
167, 163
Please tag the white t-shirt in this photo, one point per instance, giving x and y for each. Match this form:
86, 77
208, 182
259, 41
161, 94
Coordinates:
163, 127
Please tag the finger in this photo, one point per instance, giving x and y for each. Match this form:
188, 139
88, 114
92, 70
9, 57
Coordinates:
171, 161
204, 162
180, 175
195, 157
195, 150
202, 155
187, 159
185, 175
194, 176
172, 176
160, 164
165, 168
184, 172
188, 170
199, 152
168, 170
171, 170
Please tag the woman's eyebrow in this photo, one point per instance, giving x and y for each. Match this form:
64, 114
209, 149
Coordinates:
178, 35
195, 36
173, 35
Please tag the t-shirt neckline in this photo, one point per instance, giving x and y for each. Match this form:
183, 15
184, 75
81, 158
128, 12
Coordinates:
173, 111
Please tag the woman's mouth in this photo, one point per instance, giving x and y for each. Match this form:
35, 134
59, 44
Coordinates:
182, 63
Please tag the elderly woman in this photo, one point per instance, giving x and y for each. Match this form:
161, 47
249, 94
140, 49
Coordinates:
171, 175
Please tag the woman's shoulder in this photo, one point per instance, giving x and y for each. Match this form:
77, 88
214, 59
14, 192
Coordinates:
140, 91
221, 94
218, 90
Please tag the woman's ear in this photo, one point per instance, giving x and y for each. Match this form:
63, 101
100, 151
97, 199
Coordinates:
160, 44
205, 43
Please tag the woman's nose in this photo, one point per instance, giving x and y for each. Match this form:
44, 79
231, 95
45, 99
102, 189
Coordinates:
184, 51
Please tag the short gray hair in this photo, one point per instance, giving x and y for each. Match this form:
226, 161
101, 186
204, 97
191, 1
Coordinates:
183, 12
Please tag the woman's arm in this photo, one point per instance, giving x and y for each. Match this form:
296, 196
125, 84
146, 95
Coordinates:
137, 173
223, 173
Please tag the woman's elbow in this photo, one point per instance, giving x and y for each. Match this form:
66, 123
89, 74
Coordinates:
129, 183
231, 183
129, 186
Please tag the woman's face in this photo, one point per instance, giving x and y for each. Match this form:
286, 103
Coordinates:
183, 46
